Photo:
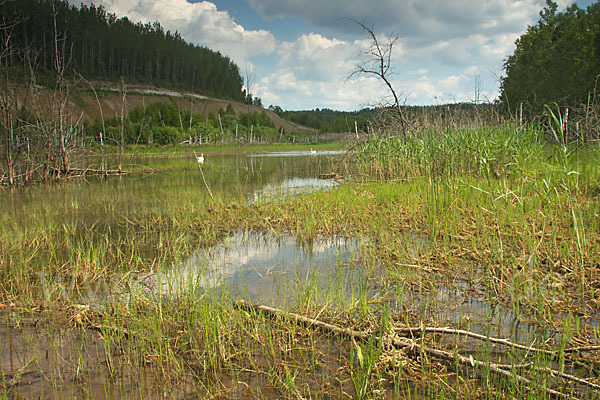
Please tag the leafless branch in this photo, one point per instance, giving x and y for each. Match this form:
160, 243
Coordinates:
377, 61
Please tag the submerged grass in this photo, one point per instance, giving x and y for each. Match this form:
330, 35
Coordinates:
491, 216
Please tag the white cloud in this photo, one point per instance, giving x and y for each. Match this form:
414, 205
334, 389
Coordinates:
420, 71
443, 46
199, 23
311, 72
313, 57
416, 19
452, 88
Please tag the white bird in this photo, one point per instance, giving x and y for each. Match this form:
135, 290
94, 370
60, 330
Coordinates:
200, 158
312, 151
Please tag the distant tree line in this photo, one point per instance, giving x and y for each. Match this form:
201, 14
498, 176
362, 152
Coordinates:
555, 61
369, 119
53, 44
98, 45
326, 120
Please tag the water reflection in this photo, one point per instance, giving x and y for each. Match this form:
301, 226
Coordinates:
268, 268
53, 362
178, 186
291, 187
311, 153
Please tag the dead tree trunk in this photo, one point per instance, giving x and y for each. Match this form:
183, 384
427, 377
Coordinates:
376, 61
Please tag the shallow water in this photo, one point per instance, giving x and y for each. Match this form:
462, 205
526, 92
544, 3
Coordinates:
46, 362
52, 362
251, 176
269, 269
262, 268
290, 187
275, 270
312, 153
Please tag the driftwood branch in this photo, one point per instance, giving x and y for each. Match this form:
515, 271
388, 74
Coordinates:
505, 342
461, 332
582, 349
554, 372
410, 347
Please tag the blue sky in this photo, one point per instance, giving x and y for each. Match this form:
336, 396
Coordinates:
299, 53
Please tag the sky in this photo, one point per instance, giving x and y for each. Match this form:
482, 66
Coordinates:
300, 54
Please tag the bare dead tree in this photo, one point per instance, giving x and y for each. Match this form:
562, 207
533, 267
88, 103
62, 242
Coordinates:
250, 81
377, 61
8, 97
103, 163
122, 143
60, 97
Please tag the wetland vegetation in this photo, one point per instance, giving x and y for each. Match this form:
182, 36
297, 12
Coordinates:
133, 286
446, 252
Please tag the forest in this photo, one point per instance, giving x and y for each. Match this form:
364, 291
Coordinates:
331, 121
555, 61
326, 120
98, 45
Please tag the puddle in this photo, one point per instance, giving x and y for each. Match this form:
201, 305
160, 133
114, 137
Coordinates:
275, 270
291, 187
268, 269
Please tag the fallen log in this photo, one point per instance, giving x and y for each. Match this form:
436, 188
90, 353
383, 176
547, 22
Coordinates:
461, 332
410, 347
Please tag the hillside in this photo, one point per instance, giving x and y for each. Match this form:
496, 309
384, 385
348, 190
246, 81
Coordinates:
90, 42
82, 103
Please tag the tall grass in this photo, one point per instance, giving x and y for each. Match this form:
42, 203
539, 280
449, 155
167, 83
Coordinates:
515, 198
481, 151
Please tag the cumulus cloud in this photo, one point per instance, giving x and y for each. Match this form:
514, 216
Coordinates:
311, 72
315, 57
199, 23
442, 49
416, 19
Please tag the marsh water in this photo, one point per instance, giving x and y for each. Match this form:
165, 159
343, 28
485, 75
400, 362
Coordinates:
266, 268
41, 360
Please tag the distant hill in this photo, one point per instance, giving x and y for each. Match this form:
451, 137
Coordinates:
82, 103
55, 38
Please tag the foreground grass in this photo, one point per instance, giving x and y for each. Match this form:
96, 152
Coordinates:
497, 214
